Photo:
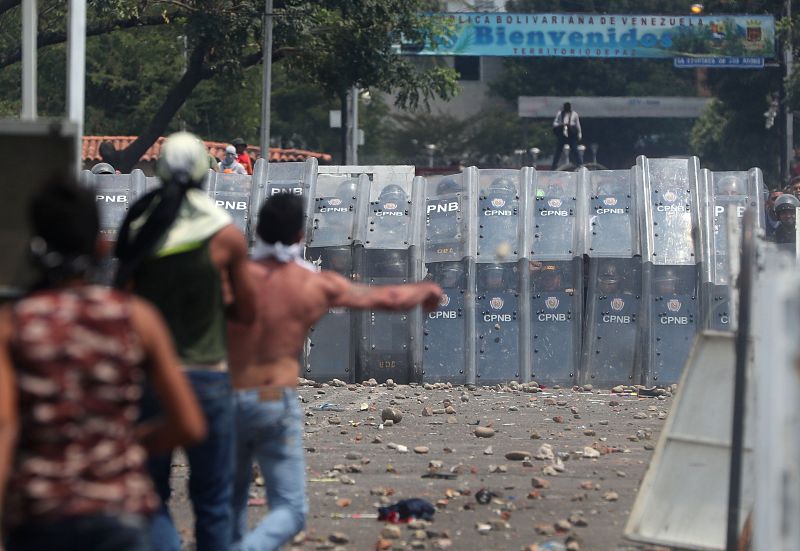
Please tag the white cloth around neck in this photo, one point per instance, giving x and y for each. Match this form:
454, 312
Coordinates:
282, 253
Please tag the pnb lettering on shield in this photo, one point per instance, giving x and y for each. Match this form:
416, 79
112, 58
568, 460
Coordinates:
452, 206
291, 190
232, 205
111, 198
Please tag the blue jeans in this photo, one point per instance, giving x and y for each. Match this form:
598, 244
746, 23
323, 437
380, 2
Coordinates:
95, 532
271, 433
211, 471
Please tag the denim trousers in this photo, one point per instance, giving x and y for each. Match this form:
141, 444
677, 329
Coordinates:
211, 470
269, 432
95, 532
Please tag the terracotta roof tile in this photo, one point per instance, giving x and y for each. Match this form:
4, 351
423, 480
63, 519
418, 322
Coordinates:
91, 150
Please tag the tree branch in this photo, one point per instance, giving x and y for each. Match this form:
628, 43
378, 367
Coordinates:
6, 5
172, 103
96, 29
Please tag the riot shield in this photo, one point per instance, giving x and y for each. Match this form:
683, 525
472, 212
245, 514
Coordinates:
673, 320
448, 352
232, 192
553, 215
670, 200
330, 350
445, 329
553, 280
614, 284
447, 231
555, 321
725, 193
333, 211
381, 175
613, 305
387, 239
497, 323
671, 203
611, 230
498, 216
114, 194
389, 222
498, 309
386, 351
293, 177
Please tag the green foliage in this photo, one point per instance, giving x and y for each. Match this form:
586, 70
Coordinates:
732, 134
135, 63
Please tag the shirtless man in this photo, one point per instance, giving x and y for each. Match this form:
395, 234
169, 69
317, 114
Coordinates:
291, 297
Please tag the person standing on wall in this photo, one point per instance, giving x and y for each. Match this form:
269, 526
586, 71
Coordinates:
567, 129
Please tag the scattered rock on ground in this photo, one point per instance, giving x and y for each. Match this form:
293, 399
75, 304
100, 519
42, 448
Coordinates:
484, 432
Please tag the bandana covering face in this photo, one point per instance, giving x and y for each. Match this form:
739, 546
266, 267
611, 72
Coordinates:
282, 253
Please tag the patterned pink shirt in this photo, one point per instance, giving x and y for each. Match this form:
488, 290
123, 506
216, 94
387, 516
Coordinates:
79, 373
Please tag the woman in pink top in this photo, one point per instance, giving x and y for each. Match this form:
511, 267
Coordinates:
73, 361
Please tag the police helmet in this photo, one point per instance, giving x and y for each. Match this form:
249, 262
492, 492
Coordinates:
336, 258
502, 186
348, 189
493, 273
103, 168
183, 160
390, 263
667, 281
450, 273
727, 185
392, 194
446, 185
786, 202
609, 274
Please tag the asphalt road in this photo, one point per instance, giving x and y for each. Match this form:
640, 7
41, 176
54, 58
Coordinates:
355, 464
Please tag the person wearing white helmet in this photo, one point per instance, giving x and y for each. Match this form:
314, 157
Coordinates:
180, 251
229, 163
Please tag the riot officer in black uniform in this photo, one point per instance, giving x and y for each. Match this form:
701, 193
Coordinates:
449, 275
673, 320
497, 323
443, 220
547, 278
444, 330
448, 185
785, 206
612, 340
499, 201
498, 218
667, 283
391, 209
554, 321
348, 190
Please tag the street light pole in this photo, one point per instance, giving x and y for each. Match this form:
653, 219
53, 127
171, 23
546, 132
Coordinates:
789, 58
29, 18
266, 93
76, 71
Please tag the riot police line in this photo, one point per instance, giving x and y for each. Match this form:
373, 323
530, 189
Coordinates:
599, 277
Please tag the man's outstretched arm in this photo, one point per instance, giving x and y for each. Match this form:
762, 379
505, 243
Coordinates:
383, 297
